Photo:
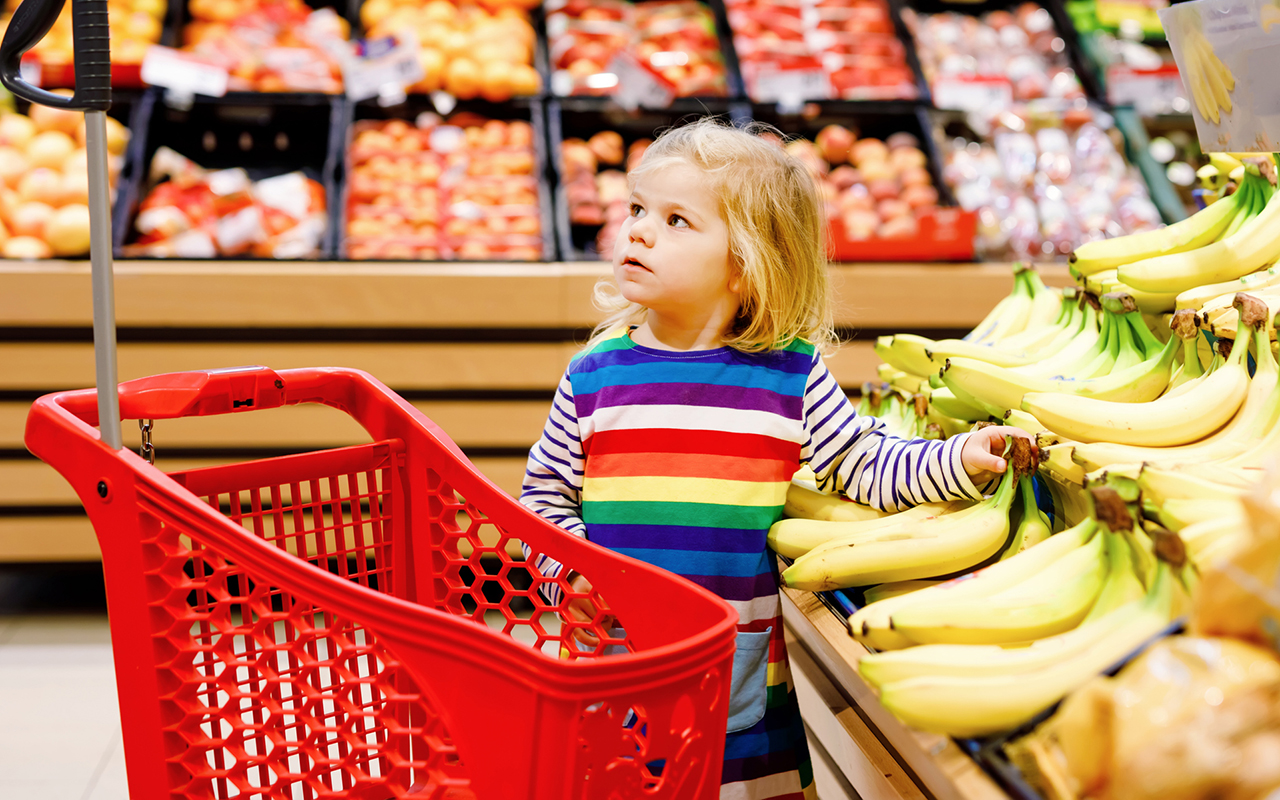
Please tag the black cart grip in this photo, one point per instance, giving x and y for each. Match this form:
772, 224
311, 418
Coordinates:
92, 40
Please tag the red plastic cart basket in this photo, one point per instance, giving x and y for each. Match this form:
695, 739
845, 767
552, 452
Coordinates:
353, 623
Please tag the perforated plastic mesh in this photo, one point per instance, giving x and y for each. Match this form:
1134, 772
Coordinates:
270, 695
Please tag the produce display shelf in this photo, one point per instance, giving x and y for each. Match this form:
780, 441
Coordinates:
883, 758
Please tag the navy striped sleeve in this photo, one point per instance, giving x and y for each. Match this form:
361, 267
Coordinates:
553, 480
854, 455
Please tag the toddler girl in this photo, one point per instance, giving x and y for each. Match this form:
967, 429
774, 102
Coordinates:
675, 432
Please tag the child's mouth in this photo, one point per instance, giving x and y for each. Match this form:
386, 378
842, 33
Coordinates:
631, 262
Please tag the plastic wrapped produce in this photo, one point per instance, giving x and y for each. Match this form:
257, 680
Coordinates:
196, 213
674, 41
1022, 48
1190, 719
1044, 183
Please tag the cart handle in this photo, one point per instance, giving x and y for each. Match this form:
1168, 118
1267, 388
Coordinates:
92, 42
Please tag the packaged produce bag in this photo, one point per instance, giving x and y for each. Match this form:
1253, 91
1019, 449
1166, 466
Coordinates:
1176, 723
1240, 595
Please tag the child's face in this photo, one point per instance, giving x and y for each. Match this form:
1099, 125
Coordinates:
672, 255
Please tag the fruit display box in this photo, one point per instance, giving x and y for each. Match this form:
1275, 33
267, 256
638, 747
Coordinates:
467, 201
794, 50
445, 33
266, 135
880, 206
133, 26
274, 52
582, 198
666, 48
44, 176
1020, 77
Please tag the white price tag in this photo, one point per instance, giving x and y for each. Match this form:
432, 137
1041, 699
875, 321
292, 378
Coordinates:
637, 86
377, 64
973, 94
1149, 91
790, 86
182, 73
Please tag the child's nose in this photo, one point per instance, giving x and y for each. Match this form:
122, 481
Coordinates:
641, 230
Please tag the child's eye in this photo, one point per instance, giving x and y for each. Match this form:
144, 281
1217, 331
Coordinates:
677, 221
637, 210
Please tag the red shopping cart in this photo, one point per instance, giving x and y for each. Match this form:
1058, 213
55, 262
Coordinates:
358, 622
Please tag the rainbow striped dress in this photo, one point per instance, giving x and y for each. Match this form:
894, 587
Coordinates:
682, 460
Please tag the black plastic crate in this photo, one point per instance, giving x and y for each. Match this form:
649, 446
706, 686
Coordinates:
579, 117
525, 109
266, 134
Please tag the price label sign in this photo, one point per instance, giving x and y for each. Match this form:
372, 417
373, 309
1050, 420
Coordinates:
378, 67
638, 87
1149, 91
977, 93
790, 87
183, 73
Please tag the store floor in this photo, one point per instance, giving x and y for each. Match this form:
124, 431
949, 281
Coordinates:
60, 737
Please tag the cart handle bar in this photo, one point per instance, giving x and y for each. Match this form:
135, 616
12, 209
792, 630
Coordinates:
92, 42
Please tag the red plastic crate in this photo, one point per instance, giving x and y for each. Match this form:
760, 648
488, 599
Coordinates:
352, 623
946, 234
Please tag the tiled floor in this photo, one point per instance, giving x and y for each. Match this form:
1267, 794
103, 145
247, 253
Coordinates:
60, 736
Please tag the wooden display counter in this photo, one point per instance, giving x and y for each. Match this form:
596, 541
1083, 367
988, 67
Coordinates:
478, 347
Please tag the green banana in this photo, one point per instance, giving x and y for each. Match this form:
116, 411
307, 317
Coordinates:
1191, 233
1009, 315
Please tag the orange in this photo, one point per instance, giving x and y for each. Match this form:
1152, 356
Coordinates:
457, 45
495, 81
432, 62
525, 80
462, 78
440, 11
142, 26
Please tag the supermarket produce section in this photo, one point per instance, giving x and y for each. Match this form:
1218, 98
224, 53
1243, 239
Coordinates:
1022, 229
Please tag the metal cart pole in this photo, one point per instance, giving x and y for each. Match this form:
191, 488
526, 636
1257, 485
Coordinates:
30, 23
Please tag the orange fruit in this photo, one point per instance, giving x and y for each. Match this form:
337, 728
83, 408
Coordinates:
432, 62
525, 80
462, 78
495, 81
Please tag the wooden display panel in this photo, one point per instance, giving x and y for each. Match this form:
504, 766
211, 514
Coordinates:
479, 348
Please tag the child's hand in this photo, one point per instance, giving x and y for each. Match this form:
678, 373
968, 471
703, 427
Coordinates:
981, 454
582, 609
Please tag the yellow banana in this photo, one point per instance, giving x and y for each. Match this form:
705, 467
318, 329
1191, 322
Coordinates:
1166, 421
799, 536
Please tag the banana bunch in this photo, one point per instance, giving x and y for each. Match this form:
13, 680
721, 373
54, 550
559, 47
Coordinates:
1210, 81
1254, 244
1243, 440
1126, 364
974, 689
1183, 415
1017, 331
1235, 236
1200, 229
834, 555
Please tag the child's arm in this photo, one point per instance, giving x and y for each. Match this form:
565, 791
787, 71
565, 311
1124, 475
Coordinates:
854, 455
553, 479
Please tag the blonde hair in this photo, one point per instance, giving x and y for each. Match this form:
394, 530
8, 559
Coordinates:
777, 235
